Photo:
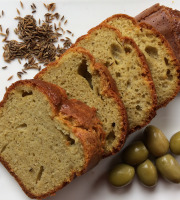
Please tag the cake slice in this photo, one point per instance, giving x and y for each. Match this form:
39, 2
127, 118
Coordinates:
45, 139
164, 66
128, 68
85, 80
166, 21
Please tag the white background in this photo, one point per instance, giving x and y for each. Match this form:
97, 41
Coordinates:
83, 15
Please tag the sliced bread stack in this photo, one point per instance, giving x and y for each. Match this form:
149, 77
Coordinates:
129, 69
91, 83
45, 139
164, 66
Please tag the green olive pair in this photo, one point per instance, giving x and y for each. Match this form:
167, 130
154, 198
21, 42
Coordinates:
158, 144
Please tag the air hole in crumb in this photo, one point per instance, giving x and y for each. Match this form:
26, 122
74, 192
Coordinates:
116, 62
168, 73
31, 170
108, 63
70, 140
24, 125
4, 148
41, 170
127, 50
152, 51
116, 51
118, 74
138, 107
113, 124
166, 61
25, 93
128, 83
111, 136
83, 71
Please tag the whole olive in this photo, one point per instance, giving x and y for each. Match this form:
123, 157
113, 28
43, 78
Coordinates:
135, 153
121, 174
147, 173
155, 141
169, 167
175, 143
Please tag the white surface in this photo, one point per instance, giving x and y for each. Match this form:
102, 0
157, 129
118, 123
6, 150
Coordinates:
83, 15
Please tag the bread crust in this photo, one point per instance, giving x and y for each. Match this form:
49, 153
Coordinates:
87, 129
166, 21
146, 72
163, 40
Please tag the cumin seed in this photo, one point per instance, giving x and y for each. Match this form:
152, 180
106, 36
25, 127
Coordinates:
22, 6
10, 78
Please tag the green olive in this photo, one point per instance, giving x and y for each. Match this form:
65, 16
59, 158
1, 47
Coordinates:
169, 167
175, 143
155, 141
121, 174
135, 153
147, 173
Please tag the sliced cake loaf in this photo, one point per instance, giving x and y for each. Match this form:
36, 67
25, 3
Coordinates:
161, 60
83, 79
45, 139
128, 68
166, 21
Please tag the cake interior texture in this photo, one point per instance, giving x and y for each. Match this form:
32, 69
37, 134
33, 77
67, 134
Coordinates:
160, 58
127, 68
76, 72
36, 146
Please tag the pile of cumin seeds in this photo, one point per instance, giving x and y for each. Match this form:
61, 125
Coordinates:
37, 40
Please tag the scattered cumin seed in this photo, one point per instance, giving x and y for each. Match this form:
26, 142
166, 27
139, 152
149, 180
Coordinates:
19, 74
0, 28
57, 15
2, 12
24, 71
34, 5
37, 41
4, 67
68, 31
7, 31
18, 11
3, 34
62, 18
45, 5
53, 7
22, 6
10, 78
5, 39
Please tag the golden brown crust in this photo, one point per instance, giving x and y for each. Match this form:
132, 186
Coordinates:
87, 130
163, 40
145, 69
55, 94
166, 21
